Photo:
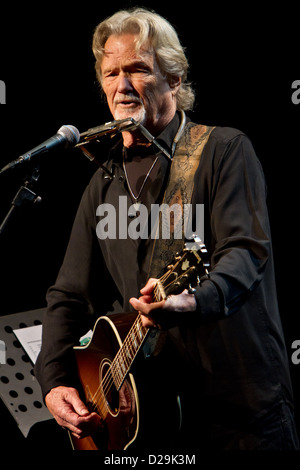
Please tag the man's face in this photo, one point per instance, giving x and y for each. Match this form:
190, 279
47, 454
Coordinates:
134, 85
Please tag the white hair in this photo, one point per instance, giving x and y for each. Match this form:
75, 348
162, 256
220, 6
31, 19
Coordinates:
159, 33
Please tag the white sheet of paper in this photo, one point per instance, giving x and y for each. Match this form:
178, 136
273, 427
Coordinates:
31, 340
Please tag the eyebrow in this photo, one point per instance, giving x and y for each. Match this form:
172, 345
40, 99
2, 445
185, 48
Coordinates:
134, 62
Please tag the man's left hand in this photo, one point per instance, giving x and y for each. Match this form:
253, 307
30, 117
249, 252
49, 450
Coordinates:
156, 313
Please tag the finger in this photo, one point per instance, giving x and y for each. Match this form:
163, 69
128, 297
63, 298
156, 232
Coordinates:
146, 299
135, 303
78, 405
65, 399
148, 288
72, 412
80, 426
146, 308
141, 307
148, 322
74, 430
67, 417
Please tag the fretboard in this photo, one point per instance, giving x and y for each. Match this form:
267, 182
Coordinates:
127, 353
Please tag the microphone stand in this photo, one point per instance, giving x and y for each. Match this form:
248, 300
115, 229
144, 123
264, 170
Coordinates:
24, 194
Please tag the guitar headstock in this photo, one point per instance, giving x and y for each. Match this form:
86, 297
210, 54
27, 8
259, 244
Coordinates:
185, 270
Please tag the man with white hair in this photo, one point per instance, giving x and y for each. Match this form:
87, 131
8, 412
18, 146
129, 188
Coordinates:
227, 328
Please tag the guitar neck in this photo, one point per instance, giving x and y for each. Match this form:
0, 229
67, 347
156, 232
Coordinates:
132, 344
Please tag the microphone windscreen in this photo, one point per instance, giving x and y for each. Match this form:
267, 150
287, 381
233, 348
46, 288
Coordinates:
70, 133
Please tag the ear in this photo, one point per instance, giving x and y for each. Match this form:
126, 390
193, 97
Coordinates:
174, 83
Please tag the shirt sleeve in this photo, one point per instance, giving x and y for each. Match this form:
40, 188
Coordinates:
236, 227
70, 302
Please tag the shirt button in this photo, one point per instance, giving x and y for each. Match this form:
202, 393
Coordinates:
121, 178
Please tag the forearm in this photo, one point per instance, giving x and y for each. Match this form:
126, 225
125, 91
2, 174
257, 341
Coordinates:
64, 322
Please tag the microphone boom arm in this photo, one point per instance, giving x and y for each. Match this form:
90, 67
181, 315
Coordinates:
114, 127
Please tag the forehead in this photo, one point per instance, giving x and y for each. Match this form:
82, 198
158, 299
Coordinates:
123, 48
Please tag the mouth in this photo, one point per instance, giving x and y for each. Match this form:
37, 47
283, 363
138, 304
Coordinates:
127, 103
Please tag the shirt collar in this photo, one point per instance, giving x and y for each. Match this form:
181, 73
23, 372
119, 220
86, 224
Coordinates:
166, 137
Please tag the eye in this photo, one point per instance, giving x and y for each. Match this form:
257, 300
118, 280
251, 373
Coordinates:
139, 73
141, 70
110, 74
138, 68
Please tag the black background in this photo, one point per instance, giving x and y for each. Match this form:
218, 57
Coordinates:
243, 61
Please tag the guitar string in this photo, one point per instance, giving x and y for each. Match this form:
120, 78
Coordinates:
108, 380
111, 378
114, 377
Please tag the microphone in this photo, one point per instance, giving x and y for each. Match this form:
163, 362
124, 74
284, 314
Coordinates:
67, 136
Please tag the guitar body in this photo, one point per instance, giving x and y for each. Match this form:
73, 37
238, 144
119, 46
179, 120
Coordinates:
152, 421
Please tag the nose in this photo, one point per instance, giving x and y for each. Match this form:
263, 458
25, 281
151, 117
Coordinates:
124, 83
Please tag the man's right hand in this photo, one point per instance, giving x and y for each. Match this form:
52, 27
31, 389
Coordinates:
71, 413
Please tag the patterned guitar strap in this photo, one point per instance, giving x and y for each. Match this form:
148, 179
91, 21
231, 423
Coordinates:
179, 192
169, 237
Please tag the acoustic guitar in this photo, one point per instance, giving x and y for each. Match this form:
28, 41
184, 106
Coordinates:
133, 392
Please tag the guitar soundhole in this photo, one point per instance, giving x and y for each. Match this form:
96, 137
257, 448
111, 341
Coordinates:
110, 392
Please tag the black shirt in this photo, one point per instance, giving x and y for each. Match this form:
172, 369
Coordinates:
234, 340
